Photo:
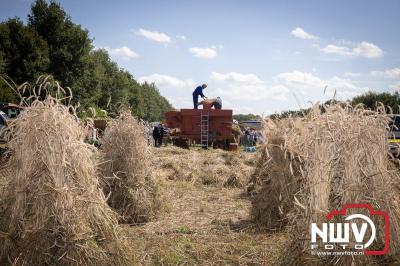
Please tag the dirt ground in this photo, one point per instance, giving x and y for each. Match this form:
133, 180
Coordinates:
200, 222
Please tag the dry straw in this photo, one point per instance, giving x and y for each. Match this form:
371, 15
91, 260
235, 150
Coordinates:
128, 182
274, 181
53, 211
209, 167
312, 165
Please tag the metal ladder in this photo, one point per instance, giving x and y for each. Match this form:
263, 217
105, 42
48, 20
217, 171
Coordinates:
204, 129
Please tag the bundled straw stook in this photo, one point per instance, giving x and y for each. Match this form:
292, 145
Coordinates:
131, 190
275, 181
53, 211
335, 157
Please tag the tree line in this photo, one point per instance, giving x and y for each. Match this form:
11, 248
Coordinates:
51, 44
246, 117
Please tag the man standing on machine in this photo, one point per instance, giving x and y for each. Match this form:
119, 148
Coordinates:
198, 92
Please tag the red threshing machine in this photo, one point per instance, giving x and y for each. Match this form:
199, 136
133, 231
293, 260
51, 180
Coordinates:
201, 126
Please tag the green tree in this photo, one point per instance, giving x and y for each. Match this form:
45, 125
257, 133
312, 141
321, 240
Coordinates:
23, 56
154, 104
246, 117
371, 99
95, 78
24, 52
68, 43
6, 93
2, 63
111, 88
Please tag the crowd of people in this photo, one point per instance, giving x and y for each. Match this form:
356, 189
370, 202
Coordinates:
251, 137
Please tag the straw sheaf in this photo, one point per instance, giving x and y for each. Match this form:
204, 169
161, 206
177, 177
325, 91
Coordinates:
53, 209
335, 155
128, 182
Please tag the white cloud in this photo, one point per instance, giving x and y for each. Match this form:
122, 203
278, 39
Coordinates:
247, 92
180, 102
250, 79
393, 73
334, 49
363, 49
368, 50
219, 46
344, 88
303, 79
166, 81
177, 91
308, 83
247, 87
351, 74
395, 87
207, 53
244, 110
123, 52
154, 35
300, 33
182, 37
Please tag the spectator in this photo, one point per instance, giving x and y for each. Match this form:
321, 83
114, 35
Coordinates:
156, 135
161, 130
253, 133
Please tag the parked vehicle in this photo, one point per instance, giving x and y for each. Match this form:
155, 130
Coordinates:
10, 109
3, 123
394, 135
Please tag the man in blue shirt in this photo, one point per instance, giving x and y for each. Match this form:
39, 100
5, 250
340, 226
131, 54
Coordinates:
198, 92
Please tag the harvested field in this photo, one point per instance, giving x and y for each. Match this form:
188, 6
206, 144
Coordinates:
237, 208
218, 167
218, 207
204, 225
201, 221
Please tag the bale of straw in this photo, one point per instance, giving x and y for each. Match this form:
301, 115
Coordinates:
343, 158
53, 211
129, 184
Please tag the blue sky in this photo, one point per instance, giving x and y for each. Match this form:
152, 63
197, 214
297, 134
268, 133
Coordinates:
258, 56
